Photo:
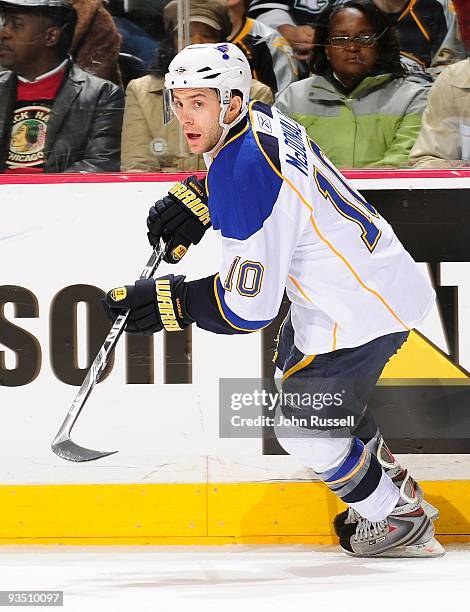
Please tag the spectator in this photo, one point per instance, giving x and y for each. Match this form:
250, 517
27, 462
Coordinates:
54, 117
292, 19
452, 49
358, 107
270, 55
462, 8
148, 145
444, 139
96, 41
421, 27
136, 42
139, 33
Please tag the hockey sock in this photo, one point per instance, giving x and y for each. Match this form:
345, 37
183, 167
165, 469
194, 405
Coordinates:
361, 483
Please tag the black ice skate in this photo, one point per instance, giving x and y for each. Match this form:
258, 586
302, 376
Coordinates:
406, 532
398, 474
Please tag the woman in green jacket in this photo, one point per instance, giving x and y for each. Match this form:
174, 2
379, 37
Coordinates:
359, 106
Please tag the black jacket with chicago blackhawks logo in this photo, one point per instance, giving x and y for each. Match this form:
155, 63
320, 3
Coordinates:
84, 128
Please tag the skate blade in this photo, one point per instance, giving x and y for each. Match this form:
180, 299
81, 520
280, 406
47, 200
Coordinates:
431, 511
430, 549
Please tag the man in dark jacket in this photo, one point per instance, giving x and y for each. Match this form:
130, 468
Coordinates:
54, 117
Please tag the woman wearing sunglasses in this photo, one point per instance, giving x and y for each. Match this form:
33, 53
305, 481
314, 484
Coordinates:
359, 106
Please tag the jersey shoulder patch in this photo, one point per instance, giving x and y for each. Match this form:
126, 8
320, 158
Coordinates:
261, 117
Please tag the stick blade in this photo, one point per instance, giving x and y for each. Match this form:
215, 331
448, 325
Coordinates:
66, 449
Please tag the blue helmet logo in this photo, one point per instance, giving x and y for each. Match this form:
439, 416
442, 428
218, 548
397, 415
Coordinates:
224, 50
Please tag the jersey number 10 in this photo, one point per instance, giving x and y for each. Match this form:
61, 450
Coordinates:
250, 277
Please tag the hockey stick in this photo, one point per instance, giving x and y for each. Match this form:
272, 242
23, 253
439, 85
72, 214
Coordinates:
62, 445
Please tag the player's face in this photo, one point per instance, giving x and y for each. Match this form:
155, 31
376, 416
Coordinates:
352, 61
198, 111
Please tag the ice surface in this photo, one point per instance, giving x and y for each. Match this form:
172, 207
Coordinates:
287, 578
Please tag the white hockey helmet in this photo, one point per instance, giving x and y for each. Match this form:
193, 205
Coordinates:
220, 66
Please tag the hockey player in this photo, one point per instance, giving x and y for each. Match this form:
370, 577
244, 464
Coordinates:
289, 220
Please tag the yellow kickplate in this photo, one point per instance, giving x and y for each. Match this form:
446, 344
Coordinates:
261, 509
217, 513
102, 511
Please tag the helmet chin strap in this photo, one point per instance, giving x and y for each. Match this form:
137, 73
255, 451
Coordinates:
225, 99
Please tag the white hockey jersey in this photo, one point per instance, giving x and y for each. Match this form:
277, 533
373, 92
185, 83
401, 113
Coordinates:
289, 219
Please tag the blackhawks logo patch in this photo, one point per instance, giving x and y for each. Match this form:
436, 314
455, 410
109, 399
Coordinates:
28, 137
